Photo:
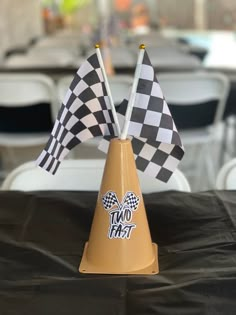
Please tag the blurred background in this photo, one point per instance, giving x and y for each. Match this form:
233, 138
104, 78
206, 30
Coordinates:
191, 44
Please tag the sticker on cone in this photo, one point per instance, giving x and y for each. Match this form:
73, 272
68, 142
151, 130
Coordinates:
121, 214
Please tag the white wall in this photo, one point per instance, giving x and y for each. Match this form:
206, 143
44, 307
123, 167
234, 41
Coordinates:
20, 21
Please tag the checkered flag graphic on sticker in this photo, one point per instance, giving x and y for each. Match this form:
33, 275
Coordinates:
131, 200
155, 140
85, 113
109, 200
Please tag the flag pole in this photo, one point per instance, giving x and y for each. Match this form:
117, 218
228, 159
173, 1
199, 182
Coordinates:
113, 109
130, 105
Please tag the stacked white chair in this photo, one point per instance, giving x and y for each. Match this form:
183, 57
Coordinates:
81, 175
226, 177
19, 91
39, 60
167, 58
187, 90
58, 42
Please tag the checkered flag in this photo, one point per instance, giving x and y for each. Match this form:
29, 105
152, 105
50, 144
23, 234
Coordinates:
131, 200
155, 140
84, 114
109, 200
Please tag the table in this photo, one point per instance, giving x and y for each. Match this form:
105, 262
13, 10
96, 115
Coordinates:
42, 235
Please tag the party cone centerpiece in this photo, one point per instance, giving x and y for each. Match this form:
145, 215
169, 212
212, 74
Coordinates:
119, 240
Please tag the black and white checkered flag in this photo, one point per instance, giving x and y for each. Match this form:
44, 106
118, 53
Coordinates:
109, 200
84, 114
156, 143
131, 200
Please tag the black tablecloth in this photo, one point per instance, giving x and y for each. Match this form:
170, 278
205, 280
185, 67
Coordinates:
42, 235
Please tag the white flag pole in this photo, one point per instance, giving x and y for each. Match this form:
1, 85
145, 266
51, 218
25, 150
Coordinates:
130, 105
113, 109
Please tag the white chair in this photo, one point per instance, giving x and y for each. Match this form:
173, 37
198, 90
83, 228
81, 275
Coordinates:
37, 61
167, 58
27, 113
120, 86
68, 33
123, 57
84, 175
226, 178
197, 101
63, 55
59, 42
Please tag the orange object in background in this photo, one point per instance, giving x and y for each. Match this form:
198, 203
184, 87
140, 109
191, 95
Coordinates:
122, 5
120, 240
139, 16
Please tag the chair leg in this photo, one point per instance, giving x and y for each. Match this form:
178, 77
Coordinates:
207, 167
234, 136
193, 167
211, 165
223, 147
200, 179
11, 158
229, 140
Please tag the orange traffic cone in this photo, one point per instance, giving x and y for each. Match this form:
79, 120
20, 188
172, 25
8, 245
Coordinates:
120, 241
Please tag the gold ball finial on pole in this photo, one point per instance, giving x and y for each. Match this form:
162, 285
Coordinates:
142, 46
97, 46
